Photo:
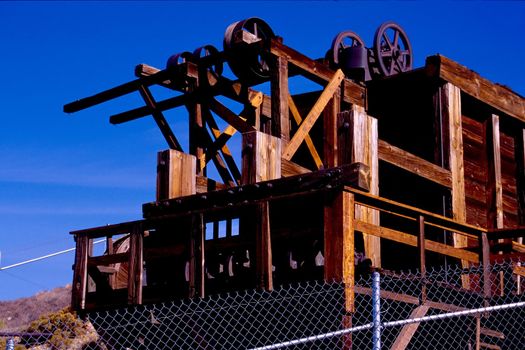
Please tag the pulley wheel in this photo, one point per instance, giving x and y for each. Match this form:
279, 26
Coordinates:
179, 58
248, 62
392, 50
209, 63
343, 41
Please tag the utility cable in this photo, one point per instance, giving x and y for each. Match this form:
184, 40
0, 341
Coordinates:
44, 257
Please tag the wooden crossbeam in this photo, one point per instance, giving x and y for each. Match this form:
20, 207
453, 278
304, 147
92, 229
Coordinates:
230, 117
401, 237
159, 118
313, 115
408, 331
414, 164
220, 144
307, 139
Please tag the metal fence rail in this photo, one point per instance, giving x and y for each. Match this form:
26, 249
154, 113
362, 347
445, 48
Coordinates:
311, 315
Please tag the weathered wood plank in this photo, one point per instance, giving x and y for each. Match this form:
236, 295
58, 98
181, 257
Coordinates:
408, 331
313, 115
261, 157
289, 168
79, 287
339, 243
360, 140
197, 271
414, 164
495, 95
175, 174
405, 238
323, 180
279, 88
264, 247
136, 263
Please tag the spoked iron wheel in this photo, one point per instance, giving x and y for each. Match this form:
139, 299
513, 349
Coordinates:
341, 42
249, 62
392, 49
210, 64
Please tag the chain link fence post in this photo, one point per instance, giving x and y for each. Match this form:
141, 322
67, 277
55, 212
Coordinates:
10, 344
376, 310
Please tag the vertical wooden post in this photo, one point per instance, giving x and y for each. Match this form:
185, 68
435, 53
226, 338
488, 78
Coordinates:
422, 258
485, 260
261, 157
358, 139
264, 261
197, 257
110, 250
136, 262
520, 163
330, 136
450, 107
175, 174
280, 111
261, 161
339, 250
80, 276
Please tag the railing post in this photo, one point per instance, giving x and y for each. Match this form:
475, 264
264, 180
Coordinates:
376, 311
422, 257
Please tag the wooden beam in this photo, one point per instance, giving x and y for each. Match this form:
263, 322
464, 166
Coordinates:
495, 187
136, 262
324, 180
414, 164
408, 331
484, 254
405, 238
307, 139
261, 157
495, 95
163, 125
115, 92
339, 243
197, 271
289, 168
320, 73
520, 178
359, 143
79, 287
263, 247
175, 174
279, 88
313, 115
230, 117
331, 131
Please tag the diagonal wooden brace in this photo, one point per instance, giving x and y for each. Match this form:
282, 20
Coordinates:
313, 115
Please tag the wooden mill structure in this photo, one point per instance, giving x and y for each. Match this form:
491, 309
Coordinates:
411, 169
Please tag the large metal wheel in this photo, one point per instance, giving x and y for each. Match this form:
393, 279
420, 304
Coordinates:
248, 61
179, 58
209, 62
392, 49
341, 42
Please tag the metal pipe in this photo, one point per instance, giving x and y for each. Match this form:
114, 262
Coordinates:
399, 323
376, 311
10, 344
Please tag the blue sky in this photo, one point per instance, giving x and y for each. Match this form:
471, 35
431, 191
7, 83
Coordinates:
60, 172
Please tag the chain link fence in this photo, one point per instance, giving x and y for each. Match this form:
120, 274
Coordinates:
433, 311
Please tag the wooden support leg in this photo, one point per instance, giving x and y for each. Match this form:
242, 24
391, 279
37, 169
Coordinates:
197, 262
264, 247
136, 263
358, 142
339, 250
485, 260
261, 157
279, 87
78, 297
